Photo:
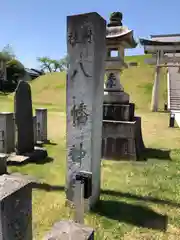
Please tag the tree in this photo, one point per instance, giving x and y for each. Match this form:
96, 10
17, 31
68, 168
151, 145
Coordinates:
8, 52
52, 65
15, 70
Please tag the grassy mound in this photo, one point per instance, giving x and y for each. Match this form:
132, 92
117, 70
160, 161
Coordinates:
49, 90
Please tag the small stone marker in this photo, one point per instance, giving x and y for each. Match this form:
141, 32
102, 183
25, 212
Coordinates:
16, 208
7, 132
41, 118
3, 163
70, 230
35, 129
86, 50
79, 202
24, 118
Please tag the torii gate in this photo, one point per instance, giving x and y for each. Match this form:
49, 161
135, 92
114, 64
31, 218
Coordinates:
164, 49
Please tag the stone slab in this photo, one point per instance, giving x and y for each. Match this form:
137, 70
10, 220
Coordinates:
65, 230
118, 129
37, 155
17, 158
116, 97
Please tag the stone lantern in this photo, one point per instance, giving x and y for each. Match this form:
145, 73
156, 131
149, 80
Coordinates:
121, 129
118, 38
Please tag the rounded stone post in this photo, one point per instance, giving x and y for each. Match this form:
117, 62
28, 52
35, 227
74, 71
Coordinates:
35, 129
7, 132
41, 120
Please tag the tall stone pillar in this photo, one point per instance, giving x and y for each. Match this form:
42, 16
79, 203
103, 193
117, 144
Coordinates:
155, 91
7, 132
86, 50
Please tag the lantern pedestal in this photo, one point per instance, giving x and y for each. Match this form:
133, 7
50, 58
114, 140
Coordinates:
115, 97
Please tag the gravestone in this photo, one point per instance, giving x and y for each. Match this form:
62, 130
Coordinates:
35, 129
3, 163
41, 118
86, 35
7, 132
24, 118
16, 208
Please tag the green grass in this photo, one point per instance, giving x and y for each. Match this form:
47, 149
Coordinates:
133, 193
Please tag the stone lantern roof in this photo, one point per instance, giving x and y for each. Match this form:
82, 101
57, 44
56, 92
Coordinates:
117, 34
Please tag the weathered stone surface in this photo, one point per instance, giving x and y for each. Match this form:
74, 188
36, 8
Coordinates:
65, 230
35, 129
7, 132
122, 140
86, 51
115, 97
118, 112
118, 129
3, 163
16, 208
41, 119
24, 118
118, 148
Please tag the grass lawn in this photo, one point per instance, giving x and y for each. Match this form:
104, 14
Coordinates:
135, 195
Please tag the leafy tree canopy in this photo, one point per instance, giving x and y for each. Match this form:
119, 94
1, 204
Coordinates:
52, 65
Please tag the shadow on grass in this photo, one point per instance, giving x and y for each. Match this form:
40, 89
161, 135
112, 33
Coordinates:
47, 187
48, 142
141, 198
30, 161
132, 214
153, 153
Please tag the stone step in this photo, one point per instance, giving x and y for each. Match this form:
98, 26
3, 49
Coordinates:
174, 107
175, 99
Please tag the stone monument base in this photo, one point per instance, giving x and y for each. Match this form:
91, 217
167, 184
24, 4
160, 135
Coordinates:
36, 156
122, 140
116, 97
123, 112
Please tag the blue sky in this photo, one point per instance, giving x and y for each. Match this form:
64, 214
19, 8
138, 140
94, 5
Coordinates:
37, 28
